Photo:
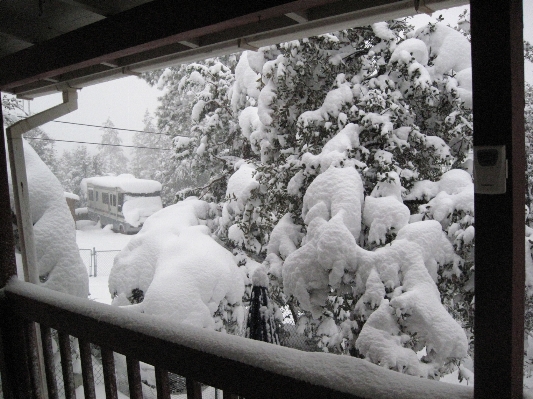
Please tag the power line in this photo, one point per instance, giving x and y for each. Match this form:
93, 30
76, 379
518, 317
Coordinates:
116, 128
106, 127
111, 145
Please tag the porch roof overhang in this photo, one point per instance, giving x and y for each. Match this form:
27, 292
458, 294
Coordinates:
71, 44
76, 43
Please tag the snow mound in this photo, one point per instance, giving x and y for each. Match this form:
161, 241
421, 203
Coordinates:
335, 151
452, 182
337, 191
181, 271
240, 186
320, 264
194, 274
331, 106
398, 280
137, 209
454, 192
410, 48
382, 215
135, 265
246, 80
59, 263
452, 49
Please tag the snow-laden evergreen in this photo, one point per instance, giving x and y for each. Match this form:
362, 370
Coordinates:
74, 166
111, 155
328, 157
151, 148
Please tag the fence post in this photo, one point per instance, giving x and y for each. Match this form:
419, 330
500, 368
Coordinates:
95, 264
91, 268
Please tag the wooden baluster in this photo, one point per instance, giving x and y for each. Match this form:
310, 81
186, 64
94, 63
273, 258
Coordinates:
162, 383
134, 378
16, 379
110, 380
6, 392
49, 365
194, 389
66, 365
87, 369
34, 363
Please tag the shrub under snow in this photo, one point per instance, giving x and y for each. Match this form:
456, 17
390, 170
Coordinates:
175, 269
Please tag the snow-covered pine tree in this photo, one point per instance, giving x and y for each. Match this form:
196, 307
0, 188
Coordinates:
215, 141
330, 124
13, 111
112, 158
74, 166
146, 156
178, 173
44, 146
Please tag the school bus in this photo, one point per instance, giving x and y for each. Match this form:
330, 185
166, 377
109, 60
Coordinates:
122, 201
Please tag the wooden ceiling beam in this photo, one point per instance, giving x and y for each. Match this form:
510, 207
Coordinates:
21, 40
89, 6
148, 26
298, 16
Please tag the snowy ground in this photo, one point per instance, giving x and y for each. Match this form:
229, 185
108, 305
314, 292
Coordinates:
90, 236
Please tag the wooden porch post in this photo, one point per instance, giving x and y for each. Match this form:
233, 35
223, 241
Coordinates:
14, 332
498, 89
8, 267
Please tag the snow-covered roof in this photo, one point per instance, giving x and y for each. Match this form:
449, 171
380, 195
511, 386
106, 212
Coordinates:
126, 182
72, 196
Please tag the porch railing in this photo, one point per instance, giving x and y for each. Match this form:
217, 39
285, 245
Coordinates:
238, 366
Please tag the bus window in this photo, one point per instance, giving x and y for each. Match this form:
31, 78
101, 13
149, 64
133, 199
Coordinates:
120, 201
96, 195
105, 198
114, 200
91, 195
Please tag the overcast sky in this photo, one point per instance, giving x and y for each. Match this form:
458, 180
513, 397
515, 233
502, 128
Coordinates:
126, 100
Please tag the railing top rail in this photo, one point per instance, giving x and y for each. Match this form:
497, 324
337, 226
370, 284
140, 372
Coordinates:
249, 368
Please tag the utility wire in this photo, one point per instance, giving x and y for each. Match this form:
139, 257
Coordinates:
111, 145
105, 127
109, 127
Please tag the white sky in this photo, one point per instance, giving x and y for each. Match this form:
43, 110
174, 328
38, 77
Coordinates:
126, 100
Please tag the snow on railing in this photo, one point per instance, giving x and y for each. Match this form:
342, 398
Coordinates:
248, 368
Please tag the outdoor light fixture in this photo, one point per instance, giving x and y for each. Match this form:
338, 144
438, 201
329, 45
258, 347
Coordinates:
490, 169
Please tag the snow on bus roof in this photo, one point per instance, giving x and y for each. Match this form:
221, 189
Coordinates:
126, 182
71, 196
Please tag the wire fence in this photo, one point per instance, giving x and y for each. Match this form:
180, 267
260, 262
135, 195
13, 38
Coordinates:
98, 263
